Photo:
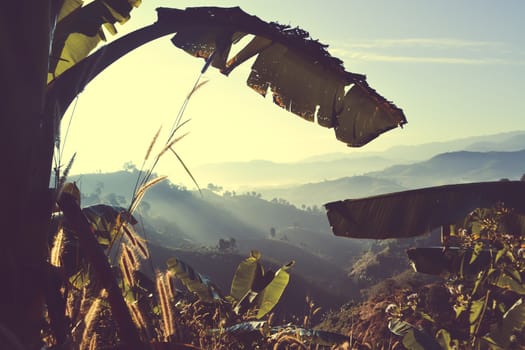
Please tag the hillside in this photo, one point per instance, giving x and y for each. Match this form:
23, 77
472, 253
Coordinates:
175, 218
220, 268
457, 167
317, 193
445, 168
266, 173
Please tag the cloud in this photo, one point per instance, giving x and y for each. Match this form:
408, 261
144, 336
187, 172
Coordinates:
438, 43
431, 50
369, 56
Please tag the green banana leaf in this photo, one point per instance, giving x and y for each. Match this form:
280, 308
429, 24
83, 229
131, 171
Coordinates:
196, 283
416, 212
79, 30
245, 275
270, 295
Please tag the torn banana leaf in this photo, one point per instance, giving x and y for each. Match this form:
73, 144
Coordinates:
416, 212
253, 289
296, 70
245, 275
196, 283
79, 30
271, 294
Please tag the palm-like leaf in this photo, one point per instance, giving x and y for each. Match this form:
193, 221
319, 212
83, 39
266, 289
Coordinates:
194, 281
298, 71
271, 294
245, 275
415, 212
79, 30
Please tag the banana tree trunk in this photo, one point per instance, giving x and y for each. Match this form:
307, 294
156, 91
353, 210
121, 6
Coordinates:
27, 146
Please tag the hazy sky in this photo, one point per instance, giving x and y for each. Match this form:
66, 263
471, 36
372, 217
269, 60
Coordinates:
456, 68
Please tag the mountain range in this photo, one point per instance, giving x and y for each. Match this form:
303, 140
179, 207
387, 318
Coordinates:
255, 174
442, 169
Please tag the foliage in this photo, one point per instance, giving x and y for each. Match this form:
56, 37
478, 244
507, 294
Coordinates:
163, 314
79, 30
254, 293
474, 308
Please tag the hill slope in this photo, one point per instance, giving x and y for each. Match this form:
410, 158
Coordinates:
457, 167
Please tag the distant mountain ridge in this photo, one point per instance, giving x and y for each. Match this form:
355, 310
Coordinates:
446, 168
332, 166
318, 193
457, 167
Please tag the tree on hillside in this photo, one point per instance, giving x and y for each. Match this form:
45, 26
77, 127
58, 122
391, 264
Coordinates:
46, 62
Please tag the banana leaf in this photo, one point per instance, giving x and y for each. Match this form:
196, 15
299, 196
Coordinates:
194, 281
271, 294
79, 30
260, 281
416, 212
298, 71
416, 339
245, 275
399, 327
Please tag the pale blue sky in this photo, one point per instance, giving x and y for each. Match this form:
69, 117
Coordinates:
456, 67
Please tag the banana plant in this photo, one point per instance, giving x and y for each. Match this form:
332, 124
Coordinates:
53, 50
252, 287
254, 292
